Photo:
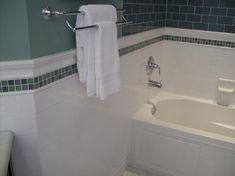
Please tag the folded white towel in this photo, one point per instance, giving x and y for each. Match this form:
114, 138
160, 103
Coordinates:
99, 13
85, 41
107, 60
85, 50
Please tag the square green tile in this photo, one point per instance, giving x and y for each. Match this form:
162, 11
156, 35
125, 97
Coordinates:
18, 88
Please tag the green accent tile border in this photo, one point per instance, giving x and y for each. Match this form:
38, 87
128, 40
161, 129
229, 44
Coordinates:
199, 41
25, 84
35, 83
143, 44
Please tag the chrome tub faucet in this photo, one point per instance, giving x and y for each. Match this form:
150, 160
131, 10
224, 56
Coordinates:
152, 83
150, 67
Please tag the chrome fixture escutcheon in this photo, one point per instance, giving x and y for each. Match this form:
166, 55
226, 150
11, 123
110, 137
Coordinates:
151, 65
46, 13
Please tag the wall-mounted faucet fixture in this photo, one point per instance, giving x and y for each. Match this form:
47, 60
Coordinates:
150, 67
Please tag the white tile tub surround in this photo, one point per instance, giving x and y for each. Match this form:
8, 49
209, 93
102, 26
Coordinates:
96, 129
194, 70
84, 135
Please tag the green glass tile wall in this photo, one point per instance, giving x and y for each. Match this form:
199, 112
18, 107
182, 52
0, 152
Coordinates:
145, 15
209, 15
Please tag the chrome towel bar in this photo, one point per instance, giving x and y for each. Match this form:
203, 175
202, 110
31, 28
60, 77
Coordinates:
47, 13
92, 26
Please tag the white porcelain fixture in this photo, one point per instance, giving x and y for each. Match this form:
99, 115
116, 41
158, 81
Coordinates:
225, 91
186, 137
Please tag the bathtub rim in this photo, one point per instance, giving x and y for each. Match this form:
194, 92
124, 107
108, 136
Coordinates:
146, 119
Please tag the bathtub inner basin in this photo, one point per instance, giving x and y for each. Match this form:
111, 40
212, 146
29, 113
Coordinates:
198, 115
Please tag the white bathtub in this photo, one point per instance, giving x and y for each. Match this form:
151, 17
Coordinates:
186, 137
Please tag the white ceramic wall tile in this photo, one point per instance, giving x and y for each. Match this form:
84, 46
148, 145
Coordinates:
17, 105
47, 97
26, 144
193, 70
78, 133
78, 136
140, 37
17, 113
20, 126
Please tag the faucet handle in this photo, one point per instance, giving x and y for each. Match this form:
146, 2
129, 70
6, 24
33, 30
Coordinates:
159, 70
151, 65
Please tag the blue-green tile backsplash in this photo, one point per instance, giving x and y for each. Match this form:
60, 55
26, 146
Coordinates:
145, 15
209, 15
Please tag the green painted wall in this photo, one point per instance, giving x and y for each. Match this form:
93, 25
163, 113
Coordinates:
14, 33
37, 37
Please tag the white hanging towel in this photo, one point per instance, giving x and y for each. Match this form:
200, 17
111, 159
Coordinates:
85, 40
80, 48
107, 60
